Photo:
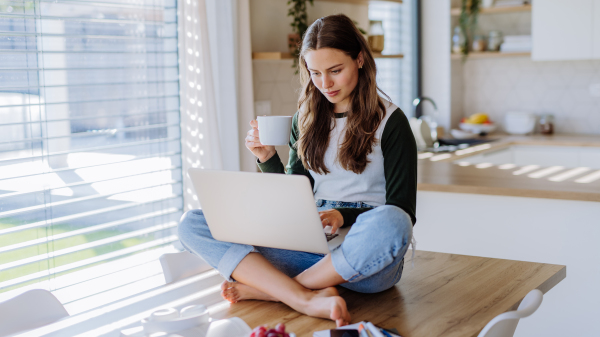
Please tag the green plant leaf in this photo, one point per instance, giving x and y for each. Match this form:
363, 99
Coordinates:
469, 11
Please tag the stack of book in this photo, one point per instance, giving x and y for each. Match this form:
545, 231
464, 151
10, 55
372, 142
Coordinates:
516, 44
510, 3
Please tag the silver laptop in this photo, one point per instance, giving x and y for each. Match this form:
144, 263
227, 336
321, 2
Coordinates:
263, 209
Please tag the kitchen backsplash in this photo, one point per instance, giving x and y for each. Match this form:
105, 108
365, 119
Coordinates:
276, 82
561, 88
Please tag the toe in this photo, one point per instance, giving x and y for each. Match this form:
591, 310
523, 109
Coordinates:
339, 312
226, 285
226, 294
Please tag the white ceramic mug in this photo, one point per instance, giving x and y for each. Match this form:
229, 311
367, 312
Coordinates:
274, 130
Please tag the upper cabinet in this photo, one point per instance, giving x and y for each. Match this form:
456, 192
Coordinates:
565, 30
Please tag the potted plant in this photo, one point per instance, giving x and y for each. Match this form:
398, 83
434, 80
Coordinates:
299, 26
468, 21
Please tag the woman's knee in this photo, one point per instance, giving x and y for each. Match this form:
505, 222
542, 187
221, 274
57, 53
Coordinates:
189, 223
395, 223
383, 280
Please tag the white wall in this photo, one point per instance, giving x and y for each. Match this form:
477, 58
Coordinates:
528, 229
561, 88
435, 48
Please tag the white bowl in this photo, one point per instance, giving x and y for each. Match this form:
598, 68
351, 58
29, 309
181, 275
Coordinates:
478, 128
460, 134
519, 122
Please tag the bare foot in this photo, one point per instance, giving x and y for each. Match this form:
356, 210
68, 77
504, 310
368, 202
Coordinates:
326, 303
236, 291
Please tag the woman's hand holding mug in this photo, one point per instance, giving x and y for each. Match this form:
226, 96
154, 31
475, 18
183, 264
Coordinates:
262, 152
333, 218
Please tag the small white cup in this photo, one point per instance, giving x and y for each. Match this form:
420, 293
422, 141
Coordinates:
274, 130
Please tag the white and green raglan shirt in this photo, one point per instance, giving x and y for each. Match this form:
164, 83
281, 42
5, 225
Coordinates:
390, 177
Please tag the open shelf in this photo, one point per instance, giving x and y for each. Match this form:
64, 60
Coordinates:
388, 56
488, 54
271, 56
285, 56
358, 2
494, 10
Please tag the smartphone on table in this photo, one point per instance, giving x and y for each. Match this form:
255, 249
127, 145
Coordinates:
344, 333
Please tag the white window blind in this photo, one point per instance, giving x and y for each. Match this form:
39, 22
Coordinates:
90, 150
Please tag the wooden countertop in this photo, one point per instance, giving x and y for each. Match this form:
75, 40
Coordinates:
443, 295
447, 176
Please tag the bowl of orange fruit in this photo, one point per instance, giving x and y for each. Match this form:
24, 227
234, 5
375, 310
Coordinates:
478, 123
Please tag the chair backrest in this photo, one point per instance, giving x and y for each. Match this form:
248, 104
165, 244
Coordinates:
504, 325
177, 266
29, 310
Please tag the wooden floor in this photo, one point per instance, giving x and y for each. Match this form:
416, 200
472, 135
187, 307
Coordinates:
444, 295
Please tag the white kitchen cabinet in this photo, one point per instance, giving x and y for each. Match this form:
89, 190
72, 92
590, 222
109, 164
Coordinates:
562, 232
596, 31
564, 30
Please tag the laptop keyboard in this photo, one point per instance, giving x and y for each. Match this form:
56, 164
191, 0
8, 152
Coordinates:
330, 236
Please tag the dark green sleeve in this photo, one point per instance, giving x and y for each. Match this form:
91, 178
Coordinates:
400, 164
294, 166
400, 168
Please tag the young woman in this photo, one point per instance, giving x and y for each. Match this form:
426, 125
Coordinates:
359, 153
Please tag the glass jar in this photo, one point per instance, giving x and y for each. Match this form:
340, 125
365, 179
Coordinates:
494, 40
458, 41
479, 43
375, 38
546, 124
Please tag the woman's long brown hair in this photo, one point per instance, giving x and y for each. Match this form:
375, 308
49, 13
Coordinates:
366, 109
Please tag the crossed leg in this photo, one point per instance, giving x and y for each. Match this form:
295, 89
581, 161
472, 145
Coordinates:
311, 292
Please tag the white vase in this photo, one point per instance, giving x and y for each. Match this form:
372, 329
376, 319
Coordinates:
487, 3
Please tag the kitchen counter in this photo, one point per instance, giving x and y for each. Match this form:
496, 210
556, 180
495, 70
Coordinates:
442, 173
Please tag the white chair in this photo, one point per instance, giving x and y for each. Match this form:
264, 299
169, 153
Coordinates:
504, 325
32, 309
177, 266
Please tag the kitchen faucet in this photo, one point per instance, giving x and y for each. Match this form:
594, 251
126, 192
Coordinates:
417, 101
429, 120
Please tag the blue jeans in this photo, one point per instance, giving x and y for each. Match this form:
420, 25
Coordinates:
370, 259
